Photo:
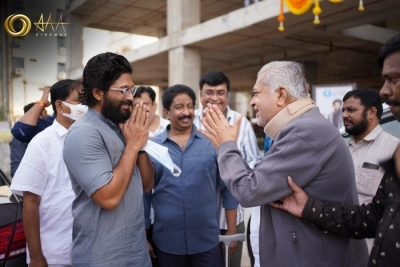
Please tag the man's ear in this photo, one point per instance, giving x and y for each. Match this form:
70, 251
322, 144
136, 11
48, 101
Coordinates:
98, 93
282, 96
59, 106
373, 113
166, 113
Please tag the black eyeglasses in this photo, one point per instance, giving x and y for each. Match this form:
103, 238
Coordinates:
126, 91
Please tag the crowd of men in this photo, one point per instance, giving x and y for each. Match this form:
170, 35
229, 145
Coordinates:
93, 196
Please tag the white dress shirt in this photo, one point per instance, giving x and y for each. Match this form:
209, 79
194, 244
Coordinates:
43, 172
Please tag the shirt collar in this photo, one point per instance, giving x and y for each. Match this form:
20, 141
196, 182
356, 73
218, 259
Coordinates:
60, 130
103, 119
195, 133
371, 136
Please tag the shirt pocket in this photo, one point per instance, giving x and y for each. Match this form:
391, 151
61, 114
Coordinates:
368, 181
204, 162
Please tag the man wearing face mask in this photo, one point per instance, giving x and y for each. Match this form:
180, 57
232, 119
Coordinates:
43, 181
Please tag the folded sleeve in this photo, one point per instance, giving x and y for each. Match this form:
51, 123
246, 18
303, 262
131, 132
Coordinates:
25, 132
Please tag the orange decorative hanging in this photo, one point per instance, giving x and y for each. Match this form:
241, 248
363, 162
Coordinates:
361, 6
281, 17
316, 11
298, 7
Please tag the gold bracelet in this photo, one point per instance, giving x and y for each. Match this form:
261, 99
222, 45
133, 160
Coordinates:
40, 102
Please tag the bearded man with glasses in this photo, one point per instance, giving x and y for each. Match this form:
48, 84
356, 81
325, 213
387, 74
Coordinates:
108, 170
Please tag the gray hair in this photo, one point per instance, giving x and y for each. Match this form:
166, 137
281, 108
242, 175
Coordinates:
287, 74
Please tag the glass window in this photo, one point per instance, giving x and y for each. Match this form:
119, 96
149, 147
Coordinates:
61, 67
18, 62
60, 42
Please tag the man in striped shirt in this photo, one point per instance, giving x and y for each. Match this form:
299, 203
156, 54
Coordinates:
214, 89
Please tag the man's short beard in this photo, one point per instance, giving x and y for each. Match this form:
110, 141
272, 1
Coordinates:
113, 112
359, 128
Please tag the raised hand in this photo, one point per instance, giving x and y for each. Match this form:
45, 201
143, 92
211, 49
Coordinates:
45, 96
136, 128
218, 128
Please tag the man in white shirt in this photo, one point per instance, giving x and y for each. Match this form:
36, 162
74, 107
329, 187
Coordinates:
369, 144
148, 96
43, 181
214, 88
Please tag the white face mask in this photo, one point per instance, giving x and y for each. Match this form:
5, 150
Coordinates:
160, 153
77, 110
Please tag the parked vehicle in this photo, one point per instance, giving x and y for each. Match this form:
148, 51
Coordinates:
12, 237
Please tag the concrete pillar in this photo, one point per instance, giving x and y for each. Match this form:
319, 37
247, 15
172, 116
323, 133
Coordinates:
182, 14
74, 45
184, 64
184, 67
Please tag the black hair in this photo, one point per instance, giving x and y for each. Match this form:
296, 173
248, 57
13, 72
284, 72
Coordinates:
337, 101
100, 72
368, 98
61, 90
391, 46
214, 78
173, 91
146, 89
28, 107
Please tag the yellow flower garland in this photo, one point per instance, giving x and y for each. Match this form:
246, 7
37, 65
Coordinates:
298, 7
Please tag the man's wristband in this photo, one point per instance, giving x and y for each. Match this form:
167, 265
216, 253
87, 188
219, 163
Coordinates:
141, 152
41, 103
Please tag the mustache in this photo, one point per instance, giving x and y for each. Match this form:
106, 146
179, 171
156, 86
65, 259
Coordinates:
393, 102
126, 102
185, 117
